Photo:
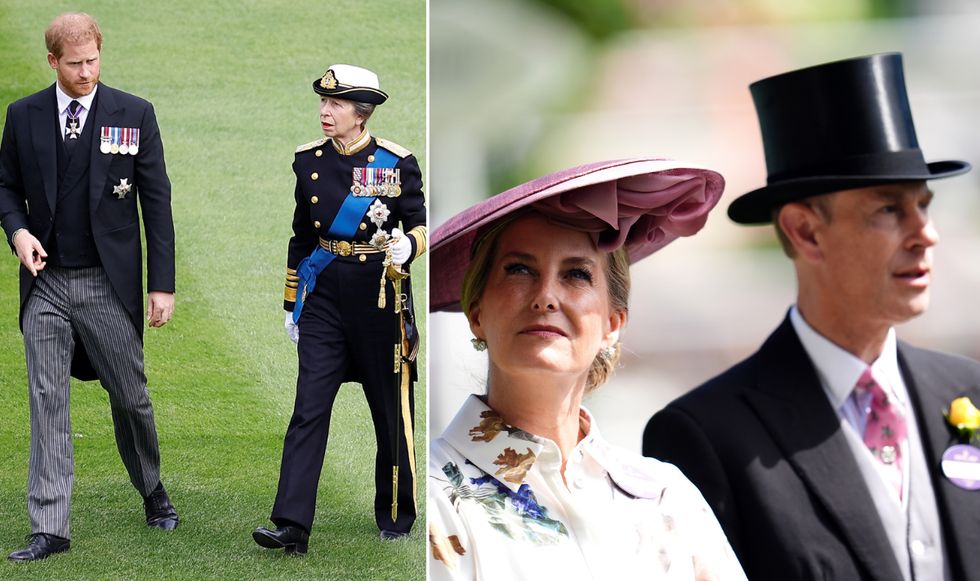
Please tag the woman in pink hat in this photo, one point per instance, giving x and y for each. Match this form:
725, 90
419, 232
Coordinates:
521, 484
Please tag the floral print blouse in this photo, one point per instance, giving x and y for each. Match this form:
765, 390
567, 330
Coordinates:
499, 509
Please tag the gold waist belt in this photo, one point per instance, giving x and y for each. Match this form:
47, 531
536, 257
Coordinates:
345, 248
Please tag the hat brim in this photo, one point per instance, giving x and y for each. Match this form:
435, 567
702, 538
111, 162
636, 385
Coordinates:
359, 94
755, 207
452, 241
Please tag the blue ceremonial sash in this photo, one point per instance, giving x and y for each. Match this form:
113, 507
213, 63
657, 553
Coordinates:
344, 227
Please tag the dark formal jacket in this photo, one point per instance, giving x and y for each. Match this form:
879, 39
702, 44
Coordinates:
764, 446
29, 190
324, 178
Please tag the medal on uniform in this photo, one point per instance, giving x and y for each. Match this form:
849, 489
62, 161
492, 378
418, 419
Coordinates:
105, 145
376, 181
123, 188
122, 140
378, 212
379, 238
134, 143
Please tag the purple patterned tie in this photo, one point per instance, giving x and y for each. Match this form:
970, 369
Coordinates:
884, 432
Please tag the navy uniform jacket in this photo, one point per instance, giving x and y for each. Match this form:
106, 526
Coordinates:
29, 184
763, 444
323, 180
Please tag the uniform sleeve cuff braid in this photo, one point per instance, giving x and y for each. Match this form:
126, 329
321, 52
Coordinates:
421, 235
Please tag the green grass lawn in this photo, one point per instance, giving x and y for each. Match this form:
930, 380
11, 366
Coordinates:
231, 84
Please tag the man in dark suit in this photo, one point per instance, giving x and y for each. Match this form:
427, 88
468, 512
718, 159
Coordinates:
79, 163
821, 453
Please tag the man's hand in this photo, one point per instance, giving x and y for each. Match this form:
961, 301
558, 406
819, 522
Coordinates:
30, 252
159, 308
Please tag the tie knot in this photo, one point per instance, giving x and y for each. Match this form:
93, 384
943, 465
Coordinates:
73, 108
867, 382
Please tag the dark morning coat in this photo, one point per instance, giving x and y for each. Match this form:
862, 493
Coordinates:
764, 446
29, 184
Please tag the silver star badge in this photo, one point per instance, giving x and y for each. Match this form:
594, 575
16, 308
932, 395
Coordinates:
123, 188
379, 213
379, 238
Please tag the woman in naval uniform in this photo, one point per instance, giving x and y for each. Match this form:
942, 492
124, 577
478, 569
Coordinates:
359, 222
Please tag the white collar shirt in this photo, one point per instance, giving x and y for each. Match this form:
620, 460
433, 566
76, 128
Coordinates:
64, 101
499, 509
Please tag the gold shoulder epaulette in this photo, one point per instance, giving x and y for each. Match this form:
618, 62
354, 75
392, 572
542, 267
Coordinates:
393, 148
311, 145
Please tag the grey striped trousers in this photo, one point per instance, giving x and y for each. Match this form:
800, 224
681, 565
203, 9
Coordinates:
65, 306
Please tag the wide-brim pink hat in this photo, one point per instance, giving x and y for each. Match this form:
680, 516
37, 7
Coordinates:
644, 203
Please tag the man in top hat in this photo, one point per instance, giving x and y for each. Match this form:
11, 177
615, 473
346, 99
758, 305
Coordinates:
349, 304
821, 453
80, 164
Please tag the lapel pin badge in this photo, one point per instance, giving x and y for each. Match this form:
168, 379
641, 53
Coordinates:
961, 462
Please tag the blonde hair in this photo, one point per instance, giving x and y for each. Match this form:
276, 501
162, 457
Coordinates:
617, 271
72, 28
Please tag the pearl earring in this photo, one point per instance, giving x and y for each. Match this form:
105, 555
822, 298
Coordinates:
607, 353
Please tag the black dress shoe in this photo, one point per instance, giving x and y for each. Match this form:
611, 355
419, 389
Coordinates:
388, 535
160, 512
294, 539
40, 546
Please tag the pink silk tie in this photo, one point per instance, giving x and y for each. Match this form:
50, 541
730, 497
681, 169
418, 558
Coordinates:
884, 432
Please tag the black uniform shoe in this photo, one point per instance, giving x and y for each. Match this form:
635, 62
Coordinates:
160, 512
294, 539
388, 535
40, 546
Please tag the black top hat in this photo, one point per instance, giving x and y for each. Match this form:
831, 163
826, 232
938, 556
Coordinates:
836, 126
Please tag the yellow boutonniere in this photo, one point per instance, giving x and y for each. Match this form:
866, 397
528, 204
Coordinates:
965, 417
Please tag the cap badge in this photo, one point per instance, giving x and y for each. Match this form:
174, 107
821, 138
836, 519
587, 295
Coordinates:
328, 81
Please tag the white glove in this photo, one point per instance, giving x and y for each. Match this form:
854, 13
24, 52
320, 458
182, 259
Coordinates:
401, 250
292, 329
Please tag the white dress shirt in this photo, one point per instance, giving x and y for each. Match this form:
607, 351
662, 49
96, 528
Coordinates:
499, 509
64, 101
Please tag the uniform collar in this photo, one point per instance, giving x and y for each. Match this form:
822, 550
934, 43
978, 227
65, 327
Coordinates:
64, 100
840, 370
356, 144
